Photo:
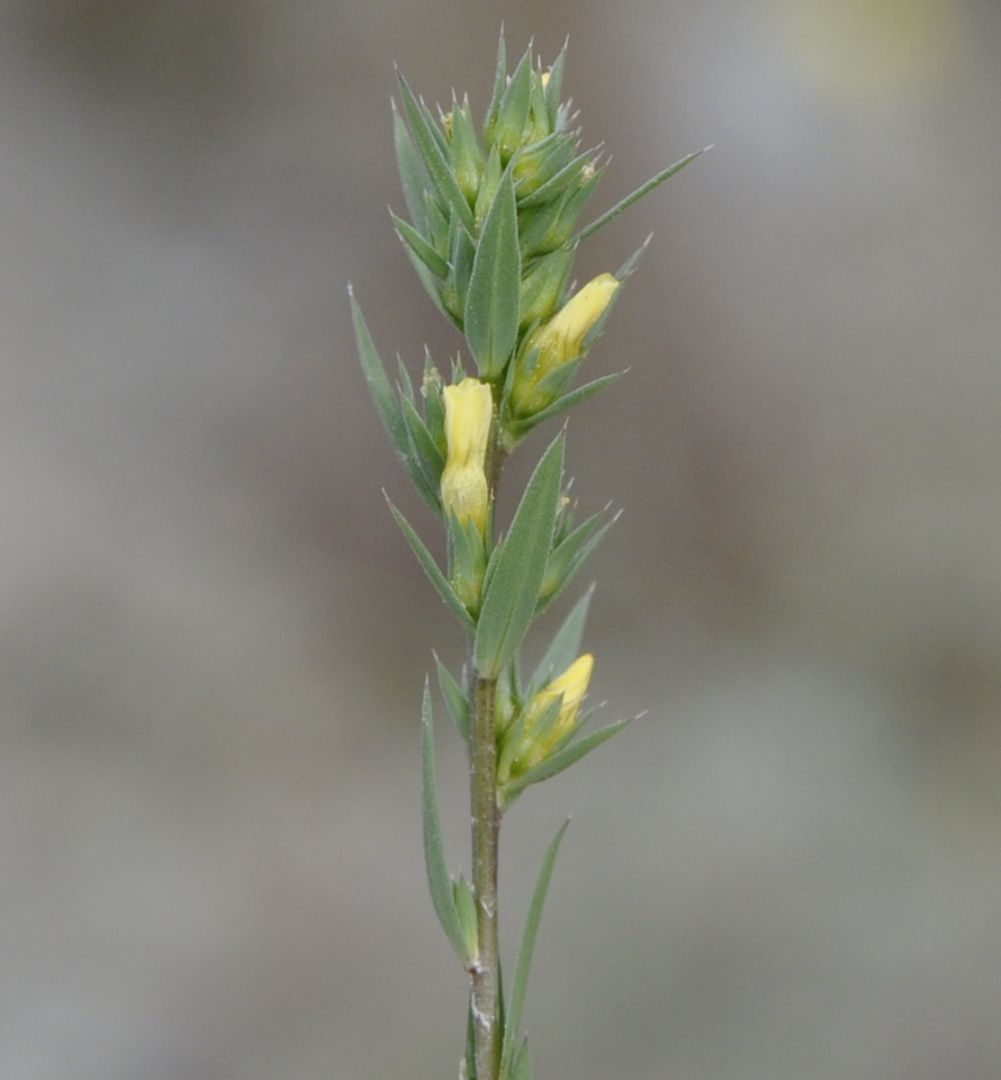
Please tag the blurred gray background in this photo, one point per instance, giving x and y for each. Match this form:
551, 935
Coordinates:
213, 638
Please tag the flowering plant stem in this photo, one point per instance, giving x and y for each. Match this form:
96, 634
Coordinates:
486, 819
486, 994
493, 237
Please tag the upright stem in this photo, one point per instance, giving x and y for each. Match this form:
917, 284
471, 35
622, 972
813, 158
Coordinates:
486, 993
486, 828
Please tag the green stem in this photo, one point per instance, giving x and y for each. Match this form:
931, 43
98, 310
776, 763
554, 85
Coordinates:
487, 1004
486, 829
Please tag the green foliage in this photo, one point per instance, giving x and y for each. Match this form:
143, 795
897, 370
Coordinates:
493, 234
491, 316
515, 574
432, 569
439, 882
523, 964
565, 645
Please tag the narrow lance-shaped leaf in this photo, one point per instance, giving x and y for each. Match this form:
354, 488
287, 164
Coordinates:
521, 427
427, 453
513, 112
386, 404
523, 1064
562, 759
492, 300
500, 80
390, 410
523, 964
405, 385
638, 194
412, 239
431, 154
432, 569
555, 85
561, 180
565, 646
413, 176
439, 881
512, 590
465, 907
431, 285
455, 699
569, 562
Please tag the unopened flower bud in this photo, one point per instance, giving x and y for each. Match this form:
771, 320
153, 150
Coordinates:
571, 686
561, 340
468, 415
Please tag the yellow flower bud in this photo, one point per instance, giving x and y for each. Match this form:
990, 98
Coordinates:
561, 340
571, 686
468, 414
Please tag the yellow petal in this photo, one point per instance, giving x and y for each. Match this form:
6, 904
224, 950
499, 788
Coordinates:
468, 415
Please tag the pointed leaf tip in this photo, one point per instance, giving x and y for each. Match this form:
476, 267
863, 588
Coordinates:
523, 963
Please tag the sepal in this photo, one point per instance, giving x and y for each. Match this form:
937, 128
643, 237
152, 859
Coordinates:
467, 562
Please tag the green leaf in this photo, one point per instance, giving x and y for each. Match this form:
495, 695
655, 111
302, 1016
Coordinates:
427, 453
500, 81
550, 226
565, 646
514, 736
491, 314
511, 593
467, 156
389, 408
465, 906
513, 113
559, 181
523, 1064
462, 251
638, 194
405, 386
434, 406
523, 964
455, 699
413, 240
628, 268
570, 556
431, 285
431, 154
488, 187
413, 176
436, 130
562, 759
555, 86
386, 404
431, 568
574, 397
439, 881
